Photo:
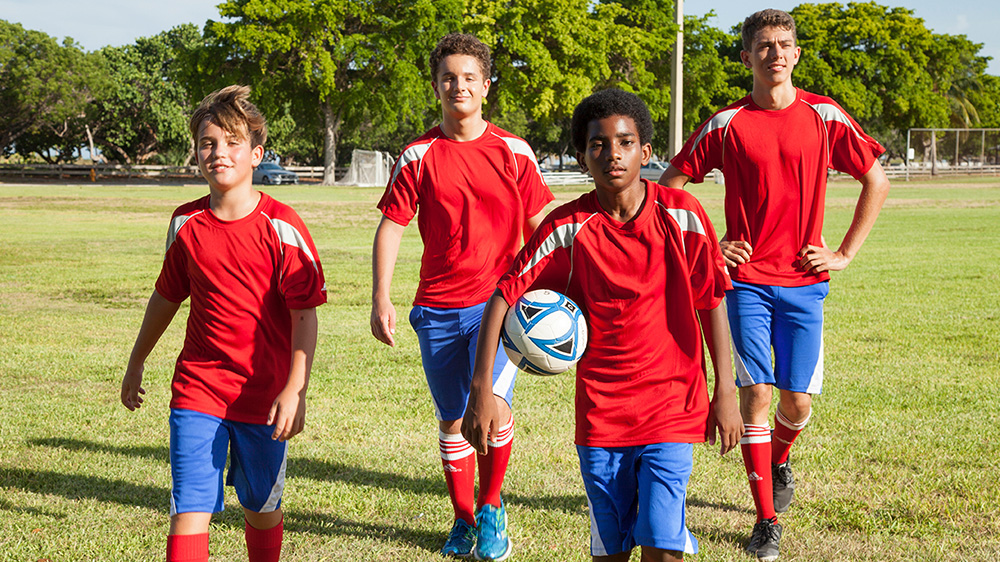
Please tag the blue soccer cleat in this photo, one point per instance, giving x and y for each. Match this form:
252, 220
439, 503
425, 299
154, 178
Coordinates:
492, 542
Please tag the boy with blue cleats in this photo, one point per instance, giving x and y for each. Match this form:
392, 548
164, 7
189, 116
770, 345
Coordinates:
643, 264
252, 273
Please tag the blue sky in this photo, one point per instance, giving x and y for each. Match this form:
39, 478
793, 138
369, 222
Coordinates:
96, 23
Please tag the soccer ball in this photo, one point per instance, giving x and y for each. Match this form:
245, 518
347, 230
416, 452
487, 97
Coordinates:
544, 333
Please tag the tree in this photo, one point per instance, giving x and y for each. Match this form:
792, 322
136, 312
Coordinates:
349, 62
45, 88
144, 116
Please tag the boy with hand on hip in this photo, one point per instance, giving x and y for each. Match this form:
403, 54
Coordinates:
254, 278
643, 264
775, 146
479, 190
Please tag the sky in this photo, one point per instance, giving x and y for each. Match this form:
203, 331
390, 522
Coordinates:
96, 23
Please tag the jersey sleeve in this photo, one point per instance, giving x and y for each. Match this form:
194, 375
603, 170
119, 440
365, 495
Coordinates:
174, 283
302, 283
703, 150
534, 192
852, 151
399, 202
707, 269
543, 262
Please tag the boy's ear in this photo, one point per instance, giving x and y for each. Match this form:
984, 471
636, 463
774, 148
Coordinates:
745, 57
582, 162
647, 153
256, 155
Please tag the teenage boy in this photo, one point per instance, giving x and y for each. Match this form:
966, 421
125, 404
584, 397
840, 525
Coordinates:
775, 146
479, 190
640, 260
254, 279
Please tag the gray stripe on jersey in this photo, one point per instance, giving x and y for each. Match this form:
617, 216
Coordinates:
719, 121
290, 235
414, 153
560, 237
175, 226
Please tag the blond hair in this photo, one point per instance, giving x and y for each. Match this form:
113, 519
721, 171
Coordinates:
231, 110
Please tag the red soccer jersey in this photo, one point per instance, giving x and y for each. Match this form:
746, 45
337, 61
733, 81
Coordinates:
775, 165
642, 378
243, 277
473, 197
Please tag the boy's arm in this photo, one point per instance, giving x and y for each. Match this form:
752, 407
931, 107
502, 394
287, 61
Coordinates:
481, 415
724, 412
288, 412
531, 224
673, 178
159, 313
385, 250
874, 190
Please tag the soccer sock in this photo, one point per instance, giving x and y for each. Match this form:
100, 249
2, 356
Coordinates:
187, 548
264, 545
784, 435
493, 467
756, 448
459, 461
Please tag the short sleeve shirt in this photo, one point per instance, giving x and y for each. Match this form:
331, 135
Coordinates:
243, 277
641, 379
775, 167
473, 198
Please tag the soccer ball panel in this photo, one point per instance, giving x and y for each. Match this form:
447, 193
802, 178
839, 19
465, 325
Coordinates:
544, 333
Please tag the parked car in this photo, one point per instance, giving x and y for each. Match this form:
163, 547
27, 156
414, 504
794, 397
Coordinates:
653, 170
271, 173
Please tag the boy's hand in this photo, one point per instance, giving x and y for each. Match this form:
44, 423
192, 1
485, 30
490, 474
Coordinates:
287, 415
736, 252
132, 388
384, 321
482, 418
817, 259
724, 414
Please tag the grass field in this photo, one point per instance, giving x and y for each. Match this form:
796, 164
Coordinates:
900, 461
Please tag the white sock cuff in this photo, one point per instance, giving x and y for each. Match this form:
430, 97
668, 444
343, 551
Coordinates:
755, 434
780, 418
454, 446
504, 435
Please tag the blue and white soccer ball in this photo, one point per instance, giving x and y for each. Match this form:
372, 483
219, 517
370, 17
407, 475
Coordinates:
544, 333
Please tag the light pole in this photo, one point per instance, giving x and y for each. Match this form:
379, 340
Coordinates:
677, 85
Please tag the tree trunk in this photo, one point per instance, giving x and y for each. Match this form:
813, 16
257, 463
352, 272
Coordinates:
331, 132
90, 141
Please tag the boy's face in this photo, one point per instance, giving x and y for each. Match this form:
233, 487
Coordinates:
460, 85
614, 153
772, 55
225, 159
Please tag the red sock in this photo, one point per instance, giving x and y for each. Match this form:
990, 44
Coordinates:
756, 448
187, 548
264, 545
493, 467
784, 435
459, 461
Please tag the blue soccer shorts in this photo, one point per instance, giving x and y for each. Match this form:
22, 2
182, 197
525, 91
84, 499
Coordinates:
198, 447
637, 496
788, 320
448, 339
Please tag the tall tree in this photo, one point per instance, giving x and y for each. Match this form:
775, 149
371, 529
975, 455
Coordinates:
344, 60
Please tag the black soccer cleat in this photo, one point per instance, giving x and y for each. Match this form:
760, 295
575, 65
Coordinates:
783, 486
764, 540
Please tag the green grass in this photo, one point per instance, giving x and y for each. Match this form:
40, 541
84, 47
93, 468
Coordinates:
898, 463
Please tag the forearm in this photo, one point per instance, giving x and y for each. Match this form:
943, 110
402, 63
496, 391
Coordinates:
715, 328
874, 191
531, 224
385, 251
673, 178
304, 335
158, 315
489, 336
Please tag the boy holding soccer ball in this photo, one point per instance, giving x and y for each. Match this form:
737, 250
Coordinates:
251, 270
643, 264
478, 189
775, 146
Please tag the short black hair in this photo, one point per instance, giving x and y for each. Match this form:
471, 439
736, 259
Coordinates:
606, 103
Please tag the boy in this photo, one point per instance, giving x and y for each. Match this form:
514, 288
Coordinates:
775, 146
478, 189
640, 260
254, 279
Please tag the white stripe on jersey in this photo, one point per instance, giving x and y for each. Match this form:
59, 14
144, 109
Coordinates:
830, 112
290, 235
719, 121
520, 146
411, 154
176, 224
561, 237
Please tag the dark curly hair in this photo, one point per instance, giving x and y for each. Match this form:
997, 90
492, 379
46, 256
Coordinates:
766, 18
606, 103
461, 44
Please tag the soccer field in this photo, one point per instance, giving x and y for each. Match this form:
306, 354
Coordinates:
899, 461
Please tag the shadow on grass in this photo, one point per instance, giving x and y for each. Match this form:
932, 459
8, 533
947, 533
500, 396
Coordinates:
7, 506
331, 525
333, 472
83, 487
695, 502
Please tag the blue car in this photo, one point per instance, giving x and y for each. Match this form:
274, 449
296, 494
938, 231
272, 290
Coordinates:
271, 173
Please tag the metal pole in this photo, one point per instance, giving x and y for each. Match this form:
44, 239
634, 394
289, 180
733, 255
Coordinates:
906, 158
677, 85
